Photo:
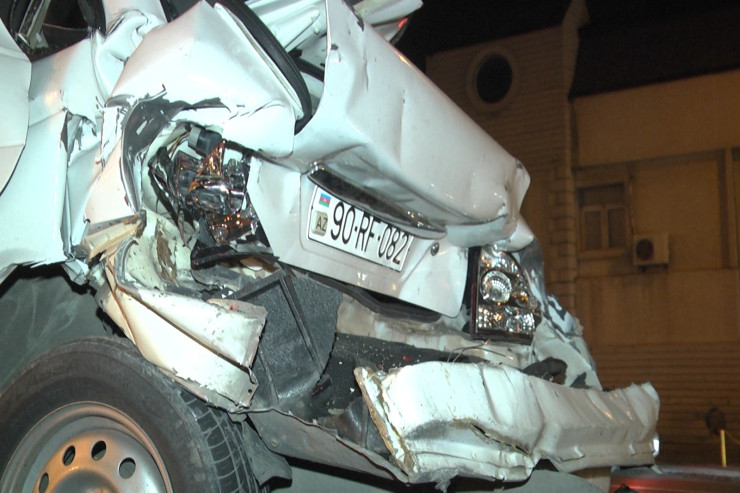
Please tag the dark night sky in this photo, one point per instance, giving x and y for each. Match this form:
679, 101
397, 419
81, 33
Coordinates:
445, 24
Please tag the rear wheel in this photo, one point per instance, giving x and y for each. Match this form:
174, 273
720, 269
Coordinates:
92, 415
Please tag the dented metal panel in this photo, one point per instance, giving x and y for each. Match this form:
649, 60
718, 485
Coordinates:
114, 9
14, 81
401, 148
282, 198
294, 22
387, 149
66, 81
207, 344
440, 420
205, 57
44, 166
128, 22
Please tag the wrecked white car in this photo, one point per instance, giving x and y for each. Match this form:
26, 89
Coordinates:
311, 250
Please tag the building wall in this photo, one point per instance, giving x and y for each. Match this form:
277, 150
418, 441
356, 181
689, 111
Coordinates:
674, 146
682, 177
672, 118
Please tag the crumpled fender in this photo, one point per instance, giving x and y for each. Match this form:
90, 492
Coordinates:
207, 345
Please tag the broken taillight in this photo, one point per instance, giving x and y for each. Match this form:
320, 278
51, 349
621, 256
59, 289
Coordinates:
502, 303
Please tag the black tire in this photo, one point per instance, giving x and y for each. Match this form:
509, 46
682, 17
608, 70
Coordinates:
94, 414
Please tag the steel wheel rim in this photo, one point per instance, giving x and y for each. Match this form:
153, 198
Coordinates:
86, 446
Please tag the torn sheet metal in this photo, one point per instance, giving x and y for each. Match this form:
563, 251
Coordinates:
15, 78
83, 146
440, 420
384, 149
62, 106
205, 55
85, 187
207, 344
109, 200
66, 81
100, 245
550, 340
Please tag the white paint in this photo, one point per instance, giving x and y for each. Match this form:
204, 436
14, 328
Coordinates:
383, 11
282, 198
292, 23
206, 55
115, 9
211, 343
32, 202
405, 139
440, 420
15, 78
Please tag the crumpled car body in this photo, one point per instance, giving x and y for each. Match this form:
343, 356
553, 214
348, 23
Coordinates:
291, 221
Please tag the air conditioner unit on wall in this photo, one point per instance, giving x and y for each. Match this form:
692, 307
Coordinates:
650, 249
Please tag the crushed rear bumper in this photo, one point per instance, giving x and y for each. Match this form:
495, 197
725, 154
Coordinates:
440, 420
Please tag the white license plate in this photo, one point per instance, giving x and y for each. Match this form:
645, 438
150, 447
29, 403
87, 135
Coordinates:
340, 225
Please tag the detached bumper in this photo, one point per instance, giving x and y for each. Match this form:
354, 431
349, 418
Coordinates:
440, 420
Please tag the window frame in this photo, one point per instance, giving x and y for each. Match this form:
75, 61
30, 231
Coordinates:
603, 179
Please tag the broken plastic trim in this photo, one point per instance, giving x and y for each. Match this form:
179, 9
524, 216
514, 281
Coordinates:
287, 434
